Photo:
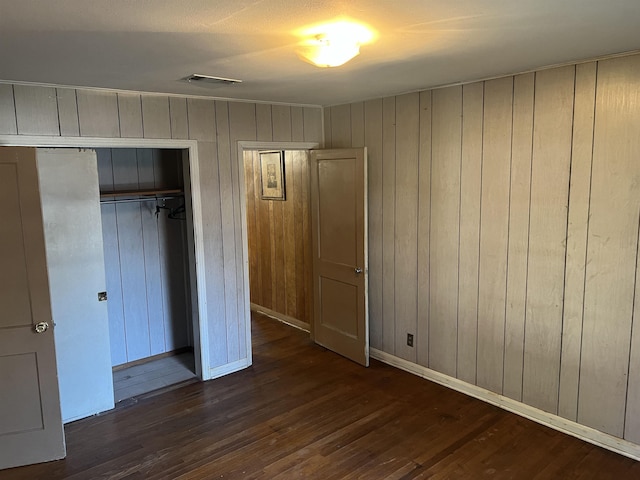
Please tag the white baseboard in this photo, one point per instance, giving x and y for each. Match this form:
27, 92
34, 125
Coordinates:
588, 434
228, 368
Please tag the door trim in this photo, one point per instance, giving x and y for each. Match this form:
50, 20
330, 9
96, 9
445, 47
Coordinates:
249, 145
201, 340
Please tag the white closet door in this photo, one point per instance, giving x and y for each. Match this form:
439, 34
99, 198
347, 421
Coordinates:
75, 260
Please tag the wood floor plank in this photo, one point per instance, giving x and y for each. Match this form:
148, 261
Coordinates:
302, 411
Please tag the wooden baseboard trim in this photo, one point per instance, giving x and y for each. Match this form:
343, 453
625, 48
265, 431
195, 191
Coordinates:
144, 360
293, 322
588, 434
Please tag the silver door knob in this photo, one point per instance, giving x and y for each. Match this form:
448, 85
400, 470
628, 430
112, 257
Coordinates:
41, 327
358, 270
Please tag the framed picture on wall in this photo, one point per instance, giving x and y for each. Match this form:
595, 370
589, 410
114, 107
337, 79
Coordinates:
272, 175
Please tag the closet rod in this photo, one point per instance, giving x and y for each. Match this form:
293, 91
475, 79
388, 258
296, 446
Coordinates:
134, 200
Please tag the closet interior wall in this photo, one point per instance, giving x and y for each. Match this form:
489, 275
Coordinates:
146, 255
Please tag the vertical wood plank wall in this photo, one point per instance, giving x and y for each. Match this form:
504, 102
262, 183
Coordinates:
216, 126
145, 256
527, 202
279, 239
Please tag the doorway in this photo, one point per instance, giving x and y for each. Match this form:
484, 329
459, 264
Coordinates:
145, 219
336, 198
246, 148
279, 237
117, 222
188, 149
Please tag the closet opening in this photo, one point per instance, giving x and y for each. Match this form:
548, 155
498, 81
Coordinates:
146, 221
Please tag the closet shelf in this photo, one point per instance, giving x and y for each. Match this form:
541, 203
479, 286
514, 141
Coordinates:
140, 195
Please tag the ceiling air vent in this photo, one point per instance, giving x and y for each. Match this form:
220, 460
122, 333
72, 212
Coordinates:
209, 80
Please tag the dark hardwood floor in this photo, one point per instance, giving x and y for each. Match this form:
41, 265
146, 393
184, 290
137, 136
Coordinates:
303, 412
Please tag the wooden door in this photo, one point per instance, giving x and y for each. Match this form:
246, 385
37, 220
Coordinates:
339, 226
75, 259
30, 421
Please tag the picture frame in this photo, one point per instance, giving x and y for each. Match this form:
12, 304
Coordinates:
272, 175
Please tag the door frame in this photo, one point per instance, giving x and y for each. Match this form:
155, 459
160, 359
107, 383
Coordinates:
252, 145
196, 265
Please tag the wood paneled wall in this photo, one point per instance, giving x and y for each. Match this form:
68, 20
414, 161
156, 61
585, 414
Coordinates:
217, 126
279, 236
146, 260
503, 233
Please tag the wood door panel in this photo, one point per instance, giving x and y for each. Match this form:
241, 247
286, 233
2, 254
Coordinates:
338, 304
19, 380
14, 304
338, 210
30, 421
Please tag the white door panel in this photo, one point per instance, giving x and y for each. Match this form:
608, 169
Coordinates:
30, 424
75, 259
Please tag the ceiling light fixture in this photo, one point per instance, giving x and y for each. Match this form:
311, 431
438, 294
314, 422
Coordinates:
333, 44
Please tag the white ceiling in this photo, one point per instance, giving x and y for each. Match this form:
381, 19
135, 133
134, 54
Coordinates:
148, 45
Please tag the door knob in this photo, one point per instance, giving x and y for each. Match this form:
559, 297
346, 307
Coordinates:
41, 327
358, 270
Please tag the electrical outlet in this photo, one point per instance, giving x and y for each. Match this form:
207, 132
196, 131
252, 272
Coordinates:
410, 339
